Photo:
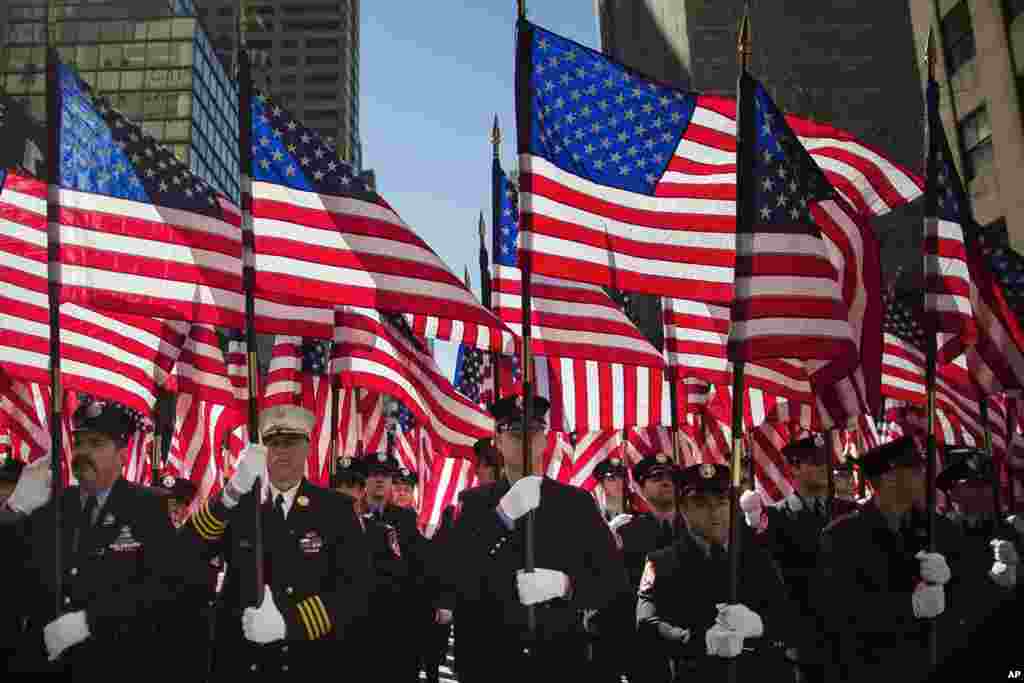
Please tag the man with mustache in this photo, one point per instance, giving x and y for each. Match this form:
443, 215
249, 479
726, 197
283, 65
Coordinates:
121, 560
683, 596
316, 568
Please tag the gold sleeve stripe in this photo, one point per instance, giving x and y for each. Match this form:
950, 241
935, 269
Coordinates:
213, 520
305, 613
208, 526
321, 610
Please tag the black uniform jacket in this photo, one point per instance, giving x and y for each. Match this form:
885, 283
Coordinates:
316, 564
125, 572
863, 592
677, 605
483, 556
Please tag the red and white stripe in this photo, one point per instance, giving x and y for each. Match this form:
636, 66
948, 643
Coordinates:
996, 360
370, 353
448, 478
355, 252
138, 464
374, 429
681, 240
571, 320
589, 396
771, 474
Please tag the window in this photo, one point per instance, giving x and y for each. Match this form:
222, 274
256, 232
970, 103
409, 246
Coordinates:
322, 42
289, 60
321, 96
958, 37
312, 60
1013, 9
301, 26
159, 54
976, 134
87, 57
322, 78
111, 56
287, 79
225, 11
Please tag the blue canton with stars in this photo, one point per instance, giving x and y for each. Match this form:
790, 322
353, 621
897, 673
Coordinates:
284, 152
470, 369
594, 118
946, 199
509, 226
406, 420
314, 356
901, 321
102, 152
787, 180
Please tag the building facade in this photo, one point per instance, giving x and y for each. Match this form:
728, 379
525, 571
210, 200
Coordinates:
981, 80
152, 60
838, 62
306, 54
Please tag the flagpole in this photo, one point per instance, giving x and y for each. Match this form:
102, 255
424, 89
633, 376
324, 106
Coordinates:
1011, 494
832, 436
487, 290
249, 280
990, 454
745, 133
332, 449
54, 290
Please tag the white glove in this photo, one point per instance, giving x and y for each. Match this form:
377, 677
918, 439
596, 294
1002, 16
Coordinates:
1005, 575
1004, 551
33, 488
928, 601
252, 463
263, 624
753, 508
934, 568
741, 619
1018, 523
541, 585
722, 642
521, 498
620, 521
443, 617
65, 631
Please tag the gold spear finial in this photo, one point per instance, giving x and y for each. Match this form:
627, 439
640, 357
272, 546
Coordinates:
467, 279
931, 54
482, 227
522, 8
744, 39
496, 137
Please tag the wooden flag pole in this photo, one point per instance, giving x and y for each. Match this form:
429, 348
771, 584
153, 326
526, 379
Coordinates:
487, 290
249, 281
53, 116
745, 133
332, 448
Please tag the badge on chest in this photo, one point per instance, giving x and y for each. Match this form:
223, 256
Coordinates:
125, 540
311, 543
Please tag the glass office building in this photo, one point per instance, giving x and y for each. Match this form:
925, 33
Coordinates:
150, 58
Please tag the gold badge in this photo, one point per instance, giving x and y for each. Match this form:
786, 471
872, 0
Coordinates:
302, 501
345, 461
108, 520
707, 470
661, 458
382, 457
169, 482
616, 462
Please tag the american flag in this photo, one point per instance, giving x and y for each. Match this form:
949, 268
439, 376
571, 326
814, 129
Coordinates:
630, 184
788, 303
474, 376
374, 422
406, 441
448, 478
947, 213
316, 398
568, 319
137, 228
371, 352
322, 231
105, 353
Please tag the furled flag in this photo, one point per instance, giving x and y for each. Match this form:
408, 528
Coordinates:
406, 443
630, 184
947, 218
316, 398
568, 319
322, 232
138, 230
788, 302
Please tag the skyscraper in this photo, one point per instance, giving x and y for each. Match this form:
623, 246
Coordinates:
838, 62
306, 53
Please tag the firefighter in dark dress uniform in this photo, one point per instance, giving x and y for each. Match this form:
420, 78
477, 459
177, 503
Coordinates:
316, 568
577, 565
683, 596
121, 565
877, 587
12, 621
790, 531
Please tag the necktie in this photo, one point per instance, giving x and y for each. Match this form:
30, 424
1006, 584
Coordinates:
279, 507
85, 523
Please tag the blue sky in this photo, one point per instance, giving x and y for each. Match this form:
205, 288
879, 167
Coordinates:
433, 74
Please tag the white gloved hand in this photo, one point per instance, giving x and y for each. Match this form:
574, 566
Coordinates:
1004, 551
521, 498
722, 642
33, 488
263, 624
934, 568
928, 601
443, 616
1018, 523
753, 508
620, 520
65, 631
541, 585
741, 619
252, 463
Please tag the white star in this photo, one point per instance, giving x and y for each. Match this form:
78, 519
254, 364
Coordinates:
345, 180
318, 153
277, 111
331, 166
163, 186
599, 165
318, 175
264, 141
290, 170
291, 149
543, 44
305, 138
292, 125
623, 170
277, 155
766, 213
650, 178
304, 161
783, 200
794, 213
767, 184
616, 157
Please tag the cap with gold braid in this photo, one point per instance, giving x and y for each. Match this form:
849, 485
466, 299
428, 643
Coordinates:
286, 420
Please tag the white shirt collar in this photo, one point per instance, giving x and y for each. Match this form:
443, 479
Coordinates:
289, 497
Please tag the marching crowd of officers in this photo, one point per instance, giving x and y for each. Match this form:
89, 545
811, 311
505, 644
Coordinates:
313, 580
